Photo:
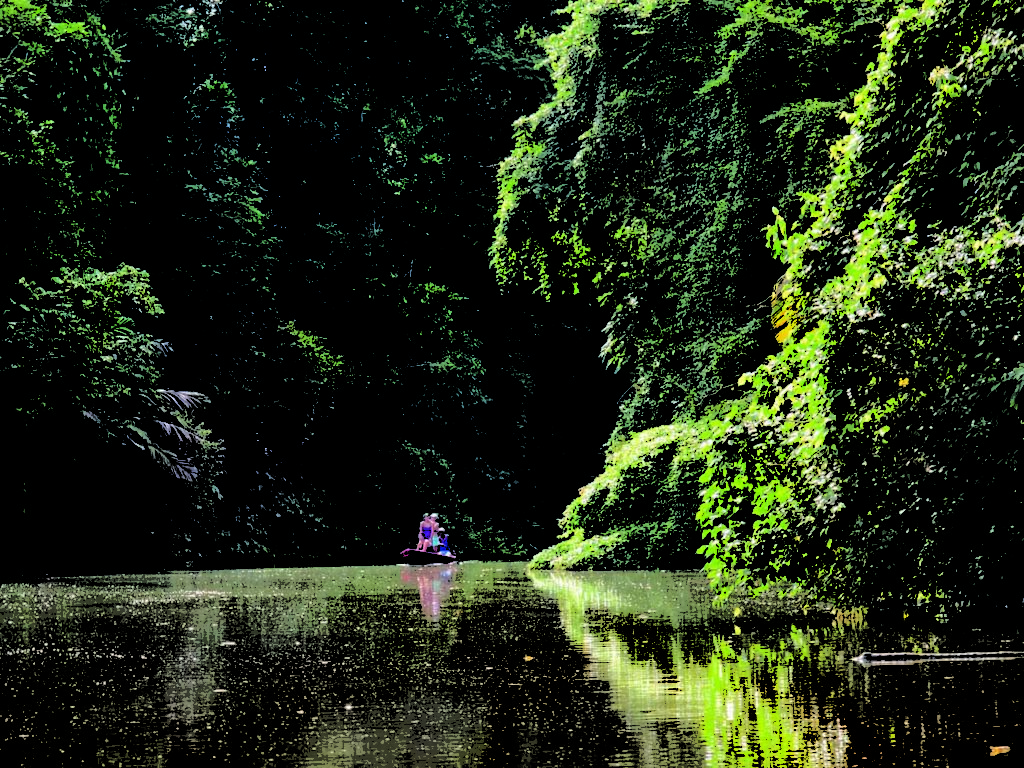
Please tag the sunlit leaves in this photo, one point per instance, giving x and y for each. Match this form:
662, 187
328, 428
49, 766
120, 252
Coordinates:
73, 348
893, 380
858, 455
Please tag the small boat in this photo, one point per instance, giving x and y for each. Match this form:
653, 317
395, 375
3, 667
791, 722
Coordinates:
419, 557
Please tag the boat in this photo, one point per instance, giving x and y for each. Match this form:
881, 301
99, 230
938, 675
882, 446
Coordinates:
419, 557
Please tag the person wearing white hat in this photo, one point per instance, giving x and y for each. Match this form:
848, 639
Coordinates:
433, 539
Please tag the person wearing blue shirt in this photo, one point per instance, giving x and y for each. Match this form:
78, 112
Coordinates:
442, 538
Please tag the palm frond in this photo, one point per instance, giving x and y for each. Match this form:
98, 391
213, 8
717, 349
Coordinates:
141, 433
182, 469
183, 435
182, 399
161, 346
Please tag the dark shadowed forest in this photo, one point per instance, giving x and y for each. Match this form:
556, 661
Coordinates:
655, 284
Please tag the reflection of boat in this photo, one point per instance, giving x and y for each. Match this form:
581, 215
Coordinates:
418, 557
434, 584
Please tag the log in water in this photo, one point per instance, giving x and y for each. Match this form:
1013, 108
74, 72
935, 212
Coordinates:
870, 659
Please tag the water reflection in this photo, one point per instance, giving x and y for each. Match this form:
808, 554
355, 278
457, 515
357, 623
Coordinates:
434, 583
769, 684
477, 665
685, 690
306, 667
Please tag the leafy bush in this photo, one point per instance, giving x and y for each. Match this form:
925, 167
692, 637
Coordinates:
873, 458
79, 372
875, 455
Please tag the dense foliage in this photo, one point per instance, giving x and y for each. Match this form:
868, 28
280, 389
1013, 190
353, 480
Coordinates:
308, 192
674, 126
80, 374
874, 456
367, 133
644, 182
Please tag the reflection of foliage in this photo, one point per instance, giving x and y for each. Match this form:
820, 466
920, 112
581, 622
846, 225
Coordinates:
739, 699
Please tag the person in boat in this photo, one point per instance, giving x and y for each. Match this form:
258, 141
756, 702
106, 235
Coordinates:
433, 538
426, 532
443, 542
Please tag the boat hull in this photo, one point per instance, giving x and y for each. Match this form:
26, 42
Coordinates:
417, 557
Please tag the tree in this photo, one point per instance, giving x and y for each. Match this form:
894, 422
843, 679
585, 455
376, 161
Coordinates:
75, 363
361, 363
872, 458
230, 124
643, 184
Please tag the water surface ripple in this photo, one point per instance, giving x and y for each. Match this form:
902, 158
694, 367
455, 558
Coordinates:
478, 664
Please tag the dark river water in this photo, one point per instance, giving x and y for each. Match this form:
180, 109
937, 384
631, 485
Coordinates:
481, 664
